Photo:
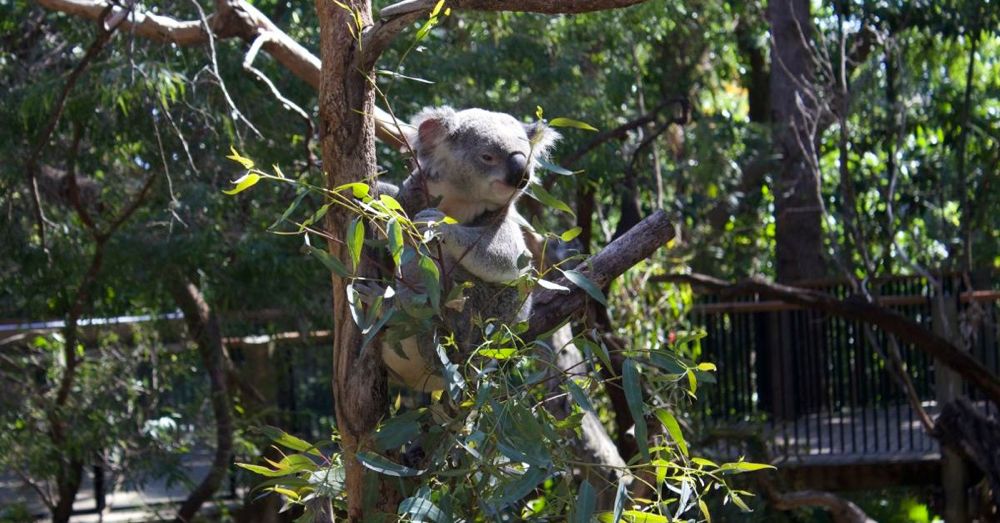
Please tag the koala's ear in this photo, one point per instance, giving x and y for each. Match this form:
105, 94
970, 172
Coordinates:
542, 138
432, 126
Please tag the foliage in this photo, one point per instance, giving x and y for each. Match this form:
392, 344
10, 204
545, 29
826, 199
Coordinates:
922, 156
488, 446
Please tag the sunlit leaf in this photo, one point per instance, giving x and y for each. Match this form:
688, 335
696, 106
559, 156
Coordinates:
497, 354
247, 163
395, 234
243, 183
355, 240
289, 441
389, 202
673, 428
569, 235
358, 190
264, 471
545, 284
569, 122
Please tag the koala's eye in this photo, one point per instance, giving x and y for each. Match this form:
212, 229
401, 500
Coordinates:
488, 158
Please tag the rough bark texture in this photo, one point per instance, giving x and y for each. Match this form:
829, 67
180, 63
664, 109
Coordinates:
553, 307
798, 205
347, 136
964, 428
203, 327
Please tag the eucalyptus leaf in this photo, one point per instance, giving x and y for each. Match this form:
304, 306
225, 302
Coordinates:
633, 396
588, 286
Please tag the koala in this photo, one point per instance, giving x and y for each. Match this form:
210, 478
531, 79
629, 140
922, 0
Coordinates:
471, 165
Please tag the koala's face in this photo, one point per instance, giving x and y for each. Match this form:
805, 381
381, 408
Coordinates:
479, 157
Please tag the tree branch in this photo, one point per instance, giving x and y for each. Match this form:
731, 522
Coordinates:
393, 19
551, 308
204, 329
232, 19
862, 311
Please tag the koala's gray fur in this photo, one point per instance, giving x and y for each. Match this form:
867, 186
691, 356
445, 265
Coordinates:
472, 166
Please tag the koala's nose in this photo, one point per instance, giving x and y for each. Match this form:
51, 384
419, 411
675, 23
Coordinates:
517, 170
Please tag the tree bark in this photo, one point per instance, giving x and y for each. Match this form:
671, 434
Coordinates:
798, 206
964, 428
203, 327
347, 136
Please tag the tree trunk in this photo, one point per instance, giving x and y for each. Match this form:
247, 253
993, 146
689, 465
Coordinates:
203, 327
798, 204
347, 134
68, 484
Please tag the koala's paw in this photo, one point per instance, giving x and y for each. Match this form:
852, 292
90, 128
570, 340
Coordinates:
425, 218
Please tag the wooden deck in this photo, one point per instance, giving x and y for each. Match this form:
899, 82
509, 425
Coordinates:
863, 448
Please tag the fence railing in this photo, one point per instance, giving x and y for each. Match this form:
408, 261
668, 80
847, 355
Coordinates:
817, 387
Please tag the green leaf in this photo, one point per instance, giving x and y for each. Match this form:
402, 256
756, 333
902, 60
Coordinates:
569, 235
598, 349
291, 208
586, 503
704, 510
247, 163
389, 202
569, 122
743, 466
521, 487
497, 354
355, 305
552, 286
431, 277
289, 441
243, 183
333, 264
421, 509
588, 286
264, 471
358, 189
437, 9
706, 367
579, 396
620, 498
384, 466
551, 167
673, 428
539, 193
395, 233
291, 494
398, 430
633, 396
738, 501
355, 240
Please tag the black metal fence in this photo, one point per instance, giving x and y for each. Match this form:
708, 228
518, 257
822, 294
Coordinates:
817, 387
